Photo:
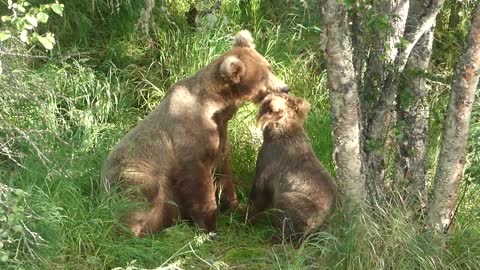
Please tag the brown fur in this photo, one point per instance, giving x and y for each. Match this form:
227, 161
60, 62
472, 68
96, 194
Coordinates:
168, 159
289, 177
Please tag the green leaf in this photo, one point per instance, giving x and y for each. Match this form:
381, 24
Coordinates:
42, 17
57, 8
20, 24
4, 257
28, 26
18, 228
19, 192
24, 36
46, 42
21, 9
44, 7
31, 20
50, 38
4, 35
6, 18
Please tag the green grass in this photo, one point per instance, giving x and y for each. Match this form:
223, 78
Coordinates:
61, 116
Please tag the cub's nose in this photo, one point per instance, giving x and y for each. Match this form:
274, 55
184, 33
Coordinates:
285, 89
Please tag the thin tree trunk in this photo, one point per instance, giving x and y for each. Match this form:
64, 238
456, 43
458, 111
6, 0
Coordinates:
454, 18
358, 44
412, 125
146, 17
455, 132
380, 121
343, 101
383, 53
382, 48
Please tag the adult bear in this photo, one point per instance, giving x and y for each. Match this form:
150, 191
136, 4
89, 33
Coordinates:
168, 159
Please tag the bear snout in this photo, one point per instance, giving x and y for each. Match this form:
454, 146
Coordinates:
278, 85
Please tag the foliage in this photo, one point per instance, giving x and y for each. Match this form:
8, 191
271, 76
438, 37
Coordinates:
17, 241
61, 115
25, 19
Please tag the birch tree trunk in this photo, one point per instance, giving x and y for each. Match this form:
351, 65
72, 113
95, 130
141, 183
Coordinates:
390, 19
390, 16
412, 125
146, 17
344, 102
455, 132
378, 126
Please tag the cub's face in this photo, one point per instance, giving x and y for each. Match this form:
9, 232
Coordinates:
248, 71
281, 110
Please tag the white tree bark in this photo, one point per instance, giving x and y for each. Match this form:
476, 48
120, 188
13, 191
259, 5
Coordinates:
416, 26
344, 102
455, 132
418, 22
412, 124
382, 55
383, 50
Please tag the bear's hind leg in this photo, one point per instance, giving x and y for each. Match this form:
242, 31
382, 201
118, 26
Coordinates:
291, 215
142, 223
259, 200
162, 214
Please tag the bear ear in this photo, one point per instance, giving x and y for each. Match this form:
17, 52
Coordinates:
264, 112
232, 69
244, 39
265, 106
301, 106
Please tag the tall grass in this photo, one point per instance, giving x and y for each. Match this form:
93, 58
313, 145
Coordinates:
60, 117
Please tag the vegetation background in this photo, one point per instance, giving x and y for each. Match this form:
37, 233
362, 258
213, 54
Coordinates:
62, 110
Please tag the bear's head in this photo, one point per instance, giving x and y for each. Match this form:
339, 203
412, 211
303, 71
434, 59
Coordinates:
282, 112
247, 73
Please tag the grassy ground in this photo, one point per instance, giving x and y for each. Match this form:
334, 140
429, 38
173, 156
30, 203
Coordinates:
61, 116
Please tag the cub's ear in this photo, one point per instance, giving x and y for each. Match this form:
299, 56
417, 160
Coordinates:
265, 106
244, 39
304, 106
232, 69
301, 107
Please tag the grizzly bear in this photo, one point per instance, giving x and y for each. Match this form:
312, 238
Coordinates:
289, 178
169, 158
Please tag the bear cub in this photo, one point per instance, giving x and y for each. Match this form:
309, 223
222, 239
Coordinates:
289, 178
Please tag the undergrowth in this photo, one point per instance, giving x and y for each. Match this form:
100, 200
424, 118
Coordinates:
61, 114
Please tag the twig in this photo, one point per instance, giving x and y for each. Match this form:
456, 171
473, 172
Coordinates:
23, 55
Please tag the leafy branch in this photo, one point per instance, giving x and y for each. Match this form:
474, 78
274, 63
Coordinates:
25, 19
